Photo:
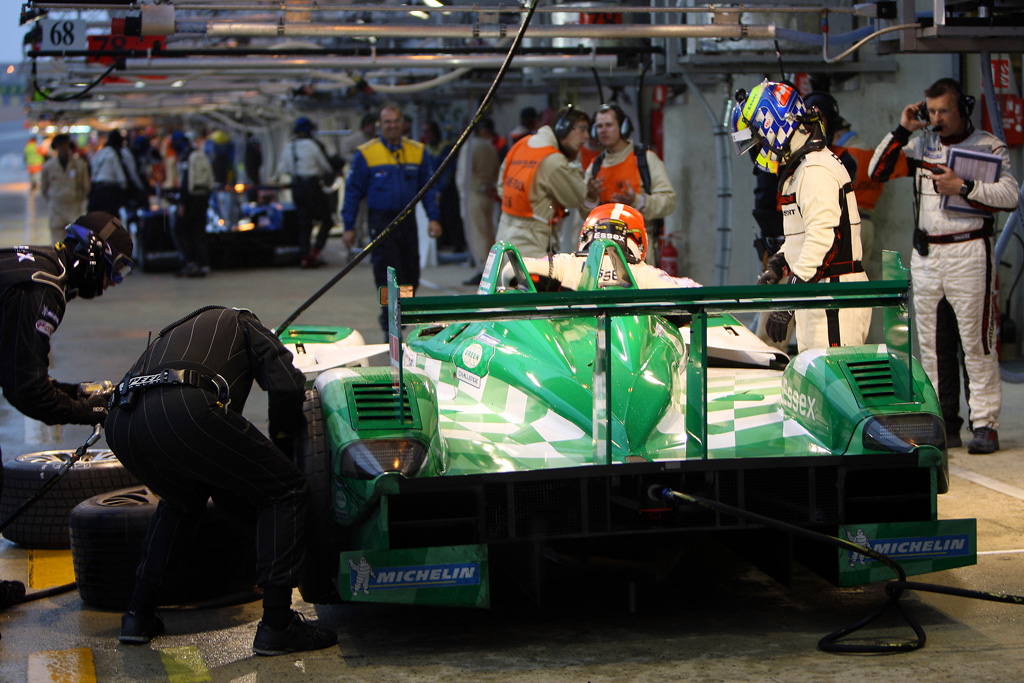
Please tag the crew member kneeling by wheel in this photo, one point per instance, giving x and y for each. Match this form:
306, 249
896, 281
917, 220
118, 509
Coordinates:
176, 423
35, 285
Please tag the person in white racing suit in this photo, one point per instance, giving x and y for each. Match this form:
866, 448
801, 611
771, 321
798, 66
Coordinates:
621, 224
952, 266
820, 218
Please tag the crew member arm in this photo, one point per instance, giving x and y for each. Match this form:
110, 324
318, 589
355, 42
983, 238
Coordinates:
557, 178
662, 200
355, 190
273, 370
998, 196
429, 199
31, 315
891, 158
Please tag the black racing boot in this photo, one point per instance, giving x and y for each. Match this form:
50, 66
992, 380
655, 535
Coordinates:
297, 636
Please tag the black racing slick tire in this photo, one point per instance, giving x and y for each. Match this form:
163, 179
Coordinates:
107, 532
324, 536
45, 523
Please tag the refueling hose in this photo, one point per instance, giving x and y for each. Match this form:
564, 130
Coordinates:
452, 155
893, 589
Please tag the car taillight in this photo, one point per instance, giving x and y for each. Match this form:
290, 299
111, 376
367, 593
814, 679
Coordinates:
369, 459
904, 433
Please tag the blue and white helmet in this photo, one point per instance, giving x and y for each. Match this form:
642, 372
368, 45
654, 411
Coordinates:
767, 118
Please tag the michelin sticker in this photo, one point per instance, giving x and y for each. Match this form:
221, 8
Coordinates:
911, 547
364, 577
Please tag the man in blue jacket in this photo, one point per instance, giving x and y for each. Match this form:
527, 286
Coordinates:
388, 171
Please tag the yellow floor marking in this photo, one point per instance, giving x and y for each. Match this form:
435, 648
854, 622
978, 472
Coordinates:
62, 666
49, 568
184, 665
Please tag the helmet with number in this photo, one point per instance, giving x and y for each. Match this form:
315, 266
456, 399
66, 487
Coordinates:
620, 223
99, 249
767, 118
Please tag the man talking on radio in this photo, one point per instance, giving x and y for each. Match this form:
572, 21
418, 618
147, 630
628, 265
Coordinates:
952, 265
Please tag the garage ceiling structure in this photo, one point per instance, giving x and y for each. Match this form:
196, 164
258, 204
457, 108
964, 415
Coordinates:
251, 62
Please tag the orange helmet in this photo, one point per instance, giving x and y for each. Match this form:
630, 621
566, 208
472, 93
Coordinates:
620, 223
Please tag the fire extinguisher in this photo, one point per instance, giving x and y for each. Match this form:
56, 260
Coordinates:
668, 258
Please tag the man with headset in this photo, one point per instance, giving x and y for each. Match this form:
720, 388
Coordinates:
626, 172
952, 266
539, 179
35, 285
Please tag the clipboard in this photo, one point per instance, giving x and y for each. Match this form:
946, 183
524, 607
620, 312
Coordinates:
971, 165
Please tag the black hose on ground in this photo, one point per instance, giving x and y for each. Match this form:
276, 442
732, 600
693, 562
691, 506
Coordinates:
893, 589
452, 155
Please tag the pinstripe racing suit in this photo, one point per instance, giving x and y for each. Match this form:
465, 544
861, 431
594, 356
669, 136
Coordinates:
958, 271
186, 446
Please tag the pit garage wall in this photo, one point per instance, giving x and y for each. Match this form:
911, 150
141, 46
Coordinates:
872, 103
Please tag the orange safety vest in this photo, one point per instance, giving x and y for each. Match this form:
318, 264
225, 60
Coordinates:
867, 190
587, 156
615, 178
521, 165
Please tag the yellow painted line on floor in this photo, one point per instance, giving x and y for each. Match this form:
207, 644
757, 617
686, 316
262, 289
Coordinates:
184, 665
49, 568
62, 666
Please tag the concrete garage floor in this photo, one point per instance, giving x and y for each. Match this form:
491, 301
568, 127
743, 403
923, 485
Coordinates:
722, 621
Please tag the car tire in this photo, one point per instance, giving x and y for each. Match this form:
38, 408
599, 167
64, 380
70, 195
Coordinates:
324, 536
107, 532
45, 523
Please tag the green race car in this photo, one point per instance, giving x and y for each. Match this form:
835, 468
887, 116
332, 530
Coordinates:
516, 428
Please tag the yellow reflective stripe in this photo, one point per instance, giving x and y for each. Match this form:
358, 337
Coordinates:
49, 568
184, 665
62, 666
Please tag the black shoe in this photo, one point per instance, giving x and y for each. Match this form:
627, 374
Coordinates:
297, 636
985, 441
139, 629
11, 593
953, 440
475, 280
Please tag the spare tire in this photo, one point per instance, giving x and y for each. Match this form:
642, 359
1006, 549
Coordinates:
45, 523
107, 532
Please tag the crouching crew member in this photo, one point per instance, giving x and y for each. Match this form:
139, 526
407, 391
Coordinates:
176, 423
35, 285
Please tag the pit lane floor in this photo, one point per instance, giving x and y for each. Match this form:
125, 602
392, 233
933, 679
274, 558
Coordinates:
723, 620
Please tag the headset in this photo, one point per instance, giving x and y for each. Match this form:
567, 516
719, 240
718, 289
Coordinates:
563, 126
964, 102
625, 125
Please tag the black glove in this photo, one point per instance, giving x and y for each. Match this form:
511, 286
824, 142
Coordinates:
777, 326
97, 403
776, 270
65, 388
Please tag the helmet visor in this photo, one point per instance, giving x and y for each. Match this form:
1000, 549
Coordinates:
119, 268
744, 140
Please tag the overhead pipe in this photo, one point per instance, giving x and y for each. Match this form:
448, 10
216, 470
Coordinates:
237, 29
303, 64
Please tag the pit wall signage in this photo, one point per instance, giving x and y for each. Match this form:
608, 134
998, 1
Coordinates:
919, 547
452, 575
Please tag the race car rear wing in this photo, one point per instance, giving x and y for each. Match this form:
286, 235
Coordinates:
507, 293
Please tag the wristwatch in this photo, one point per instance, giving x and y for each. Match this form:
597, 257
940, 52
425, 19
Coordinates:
966, 188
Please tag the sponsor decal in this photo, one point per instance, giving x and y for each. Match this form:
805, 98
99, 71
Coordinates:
467, 377
801, 404
25, 255
366, 578
44, 327
47, 313
471, 355
909, 547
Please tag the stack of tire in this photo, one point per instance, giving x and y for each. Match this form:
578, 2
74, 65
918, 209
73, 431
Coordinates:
107, 532
45, 523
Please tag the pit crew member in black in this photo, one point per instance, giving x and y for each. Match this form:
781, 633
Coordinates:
35, 285
176, 423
